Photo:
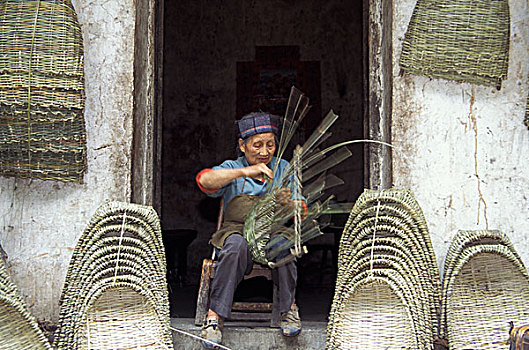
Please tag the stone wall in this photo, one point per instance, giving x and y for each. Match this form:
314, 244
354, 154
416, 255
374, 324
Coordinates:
42, 220
463, 149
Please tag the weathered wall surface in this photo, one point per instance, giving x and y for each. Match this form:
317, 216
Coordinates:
42, 220
463, 149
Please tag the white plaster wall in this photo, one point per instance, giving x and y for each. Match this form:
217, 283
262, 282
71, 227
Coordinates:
463, 149
42, 220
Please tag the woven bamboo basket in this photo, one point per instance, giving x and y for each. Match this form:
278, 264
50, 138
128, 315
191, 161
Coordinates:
374, 317
116, 313
464, 40
42, 131
18, 328
408, 298
142, 221
396, 228
487, 289
132, 323
386, 239
368, 264
116, 279
462, 241
117, 261
401, 204
422, 301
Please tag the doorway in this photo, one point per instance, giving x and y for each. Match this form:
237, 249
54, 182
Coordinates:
203, 47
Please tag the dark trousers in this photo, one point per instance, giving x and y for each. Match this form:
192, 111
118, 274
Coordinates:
234, 261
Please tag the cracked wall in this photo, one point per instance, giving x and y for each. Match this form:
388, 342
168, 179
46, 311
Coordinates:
463, 148
42, 220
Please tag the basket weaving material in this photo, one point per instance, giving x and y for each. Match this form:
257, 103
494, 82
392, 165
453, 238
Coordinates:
485, 286
18, 328
42, 131
385, 251
464, 40
115, 283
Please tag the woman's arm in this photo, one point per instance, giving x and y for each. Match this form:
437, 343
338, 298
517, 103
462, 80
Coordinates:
216, 178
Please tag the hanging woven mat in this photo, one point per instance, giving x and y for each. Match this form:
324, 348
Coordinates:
42, 131
18, 328
463, 40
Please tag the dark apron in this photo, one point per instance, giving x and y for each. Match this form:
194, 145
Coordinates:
234, 216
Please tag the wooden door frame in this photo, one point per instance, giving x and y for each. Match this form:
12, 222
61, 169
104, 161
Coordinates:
148, 96
378, 88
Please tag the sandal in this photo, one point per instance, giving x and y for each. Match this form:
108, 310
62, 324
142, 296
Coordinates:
212, 333
290, 323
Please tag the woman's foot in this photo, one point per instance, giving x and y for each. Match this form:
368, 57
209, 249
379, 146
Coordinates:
290, 322
212, 330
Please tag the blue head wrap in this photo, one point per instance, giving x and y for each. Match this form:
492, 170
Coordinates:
257, 123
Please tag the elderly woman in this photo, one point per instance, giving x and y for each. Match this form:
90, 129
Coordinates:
242, 182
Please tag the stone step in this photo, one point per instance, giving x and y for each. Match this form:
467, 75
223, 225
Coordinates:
252, 336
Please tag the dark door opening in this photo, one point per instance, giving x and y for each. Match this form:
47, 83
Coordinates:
204, 49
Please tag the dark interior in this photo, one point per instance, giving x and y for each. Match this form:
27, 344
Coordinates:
228, 58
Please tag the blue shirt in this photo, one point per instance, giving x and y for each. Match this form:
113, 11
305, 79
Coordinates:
246, 185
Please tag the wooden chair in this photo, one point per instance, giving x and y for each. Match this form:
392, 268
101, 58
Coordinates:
241, 311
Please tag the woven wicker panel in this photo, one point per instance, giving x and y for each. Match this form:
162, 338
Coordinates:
42, 131
489, 291
464, 40
18, 328
117, 266
121, 319
374, 317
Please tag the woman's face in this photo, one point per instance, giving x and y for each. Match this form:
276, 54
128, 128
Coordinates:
259, 148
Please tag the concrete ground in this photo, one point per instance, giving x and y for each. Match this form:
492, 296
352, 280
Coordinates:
256, 336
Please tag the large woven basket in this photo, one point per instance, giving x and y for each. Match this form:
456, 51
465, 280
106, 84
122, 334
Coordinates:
134, 322
373, 310
462, 241
386, 267
42, 131
463, 40
115, 294
18, 328
485, 287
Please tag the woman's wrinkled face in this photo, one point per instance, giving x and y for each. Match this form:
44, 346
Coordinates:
259, 148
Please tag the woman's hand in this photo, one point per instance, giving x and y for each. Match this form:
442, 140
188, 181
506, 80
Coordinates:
258, 171
283, 196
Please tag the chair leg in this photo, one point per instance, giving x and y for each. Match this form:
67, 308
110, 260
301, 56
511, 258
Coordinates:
208, 267
274, 321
